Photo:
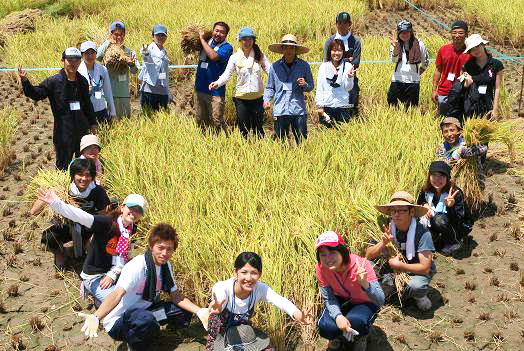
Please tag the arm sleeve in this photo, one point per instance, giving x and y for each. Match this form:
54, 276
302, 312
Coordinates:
438, 60
87, 106
424, 55
266, 65
115, 271
269, 91
330, 302
130, 275
393, 58
219, 290
36, 92
108, 93
224, 53
356, 53
73, 213
310, 83
473, 150
347, 81
228, 73
320, 96
101, 200
279, 301
375, 293
102, 50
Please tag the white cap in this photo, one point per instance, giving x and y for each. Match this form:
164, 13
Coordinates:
474, 40
86, 45
88, 140
135, 200
71, 53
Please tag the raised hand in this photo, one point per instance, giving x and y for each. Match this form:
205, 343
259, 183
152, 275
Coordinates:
352, 71
361, 275
144, 49
450, 199
90, 325
21, 73
215, 307
47, 196
387, 236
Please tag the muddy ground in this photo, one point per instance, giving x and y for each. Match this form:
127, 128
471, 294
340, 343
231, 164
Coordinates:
478, 295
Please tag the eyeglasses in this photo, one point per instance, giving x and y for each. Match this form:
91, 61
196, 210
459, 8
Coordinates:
399, 210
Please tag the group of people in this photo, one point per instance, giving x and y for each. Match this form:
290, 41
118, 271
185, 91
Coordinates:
127, 290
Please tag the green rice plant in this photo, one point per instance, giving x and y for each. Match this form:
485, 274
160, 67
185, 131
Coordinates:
8, 125
226, 194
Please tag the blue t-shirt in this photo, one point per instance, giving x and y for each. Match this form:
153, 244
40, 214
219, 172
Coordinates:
206, 75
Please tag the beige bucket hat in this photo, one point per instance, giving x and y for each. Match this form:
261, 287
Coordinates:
474, 40
88, 140
402, 198
290, 40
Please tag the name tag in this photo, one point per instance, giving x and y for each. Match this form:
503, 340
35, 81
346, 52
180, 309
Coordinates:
98, 95
203, 65
160, 314
483, 89
122, 77
288, 86
74, 106
163, 75
451, 76
403, 246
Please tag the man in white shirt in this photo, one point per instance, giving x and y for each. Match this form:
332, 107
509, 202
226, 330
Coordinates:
133, 312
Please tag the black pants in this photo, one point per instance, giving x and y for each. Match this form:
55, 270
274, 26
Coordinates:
250, 116
65, 151
102, 116
407, 93
354, 96
443, 232
337, 115
58, 234
153, 102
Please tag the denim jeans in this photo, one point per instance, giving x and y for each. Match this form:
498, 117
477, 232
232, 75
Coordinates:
361, 317
93, 287
298, 126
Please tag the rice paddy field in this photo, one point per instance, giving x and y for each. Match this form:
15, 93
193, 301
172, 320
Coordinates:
225, 194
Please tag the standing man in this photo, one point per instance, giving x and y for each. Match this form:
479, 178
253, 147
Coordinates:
352, 47
68, 94
209, 104
288, 79
415, 243
119, 77
449, 62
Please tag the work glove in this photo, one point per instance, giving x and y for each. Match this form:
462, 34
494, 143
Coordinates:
90, 325
203, 315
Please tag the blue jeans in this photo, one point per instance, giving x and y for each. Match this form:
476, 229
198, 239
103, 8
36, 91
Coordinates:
298, 127
361, 316
93, 287
153, 102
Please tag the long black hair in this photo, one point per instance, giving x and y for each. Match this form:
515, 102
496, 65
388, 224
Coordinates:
258, 52
248, 257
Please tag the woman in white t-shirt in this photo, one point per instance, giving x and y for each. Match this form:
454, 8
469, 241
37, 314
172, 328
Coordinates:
234, 300
248, 62
334, 82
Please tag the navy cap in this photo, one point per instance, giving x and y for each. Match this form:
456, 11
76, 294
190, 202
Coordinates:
459, 25
343, 17
440, 167
117, 25
159, 29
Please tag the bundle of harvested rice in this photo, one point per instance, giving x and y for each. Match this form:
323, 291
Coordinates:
191, 38
115, 58
20, 21
465, 173
3, 39
57, 180
478, 131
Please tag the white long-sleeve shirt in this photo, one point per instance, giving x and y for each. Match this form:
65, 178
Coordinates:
249, 80
223, 291
99, 82
406, 72
328, 96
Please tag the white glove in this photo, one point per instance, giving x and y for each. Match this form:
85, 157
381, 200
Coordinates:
350, 334
203, 314
326, 117
90, 325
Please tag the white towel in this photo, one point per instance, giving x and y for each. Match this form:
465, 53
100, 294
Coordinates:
410, 241
244, 61
345, 39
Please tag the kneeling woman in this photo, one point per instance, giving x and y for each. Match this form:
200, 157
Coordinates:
111, 242
235, 300
351, 292
448, 218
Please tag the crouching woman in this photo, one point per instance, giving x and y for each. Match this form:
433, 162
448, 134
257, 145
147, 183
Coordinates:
351, 292
233, 305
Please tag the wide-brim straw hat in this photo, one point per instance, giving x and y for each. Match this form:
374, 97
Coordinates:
241, 337
402, 198
288, 40
474, 40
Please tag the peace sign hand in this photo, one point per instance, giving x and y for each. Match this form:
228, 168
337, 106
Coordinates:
450, 199
21, 73
361, 275
215, 307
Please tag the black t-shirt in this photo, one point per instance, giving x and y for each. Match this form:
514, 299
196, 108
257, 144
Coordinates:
486, 75
95, 202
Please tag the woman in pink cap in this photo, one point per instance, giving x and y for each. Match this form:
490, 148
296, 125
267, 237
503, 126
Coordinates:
351, 292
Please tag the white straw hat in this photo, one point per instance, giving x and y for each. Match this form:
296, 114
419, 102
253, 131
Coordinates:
474, 40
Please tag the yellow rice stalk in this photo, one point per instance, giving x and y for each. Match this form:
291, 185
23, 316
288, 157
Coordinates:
115, 58
8, 126
57, 180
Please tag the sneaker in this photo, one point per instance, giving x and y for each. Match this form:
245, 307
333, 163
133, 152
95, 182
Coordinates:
423, 303
449, 249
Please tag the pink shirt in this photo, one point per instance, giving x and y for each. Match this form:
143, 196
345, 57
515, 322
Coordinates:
342, 284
